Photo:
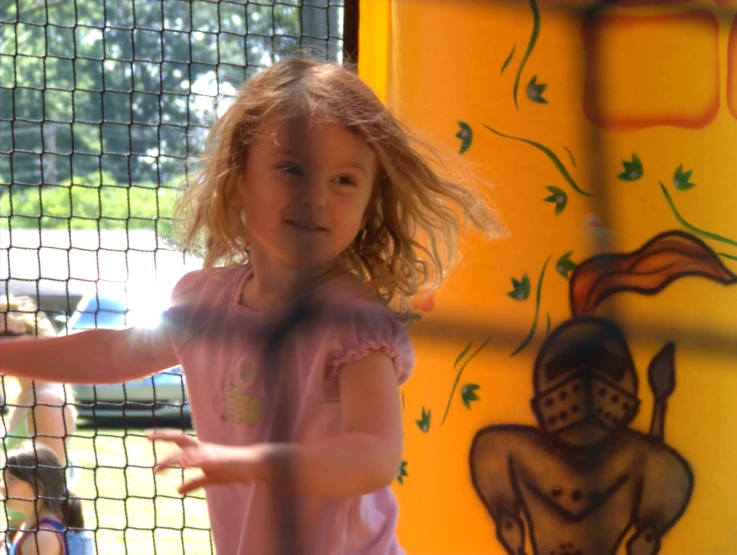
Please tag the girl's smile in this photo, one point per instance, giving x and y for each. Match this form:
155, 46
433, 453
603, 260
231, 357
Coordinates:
308, 226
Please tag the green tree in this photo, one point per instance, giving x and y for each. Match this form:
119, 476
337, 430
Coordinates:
92, 204
127, 88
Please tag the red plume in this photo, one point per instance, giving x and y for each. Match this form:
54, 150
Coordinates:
648, 270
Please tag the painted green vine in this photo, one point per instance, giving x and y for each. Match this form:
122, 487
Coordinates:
538, 297
534, 34
693, 228
509, 59
468, 391
550, 154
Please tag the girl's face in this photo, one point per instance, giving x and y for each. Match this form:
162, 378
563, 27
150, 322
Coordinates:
305, 192
19, 494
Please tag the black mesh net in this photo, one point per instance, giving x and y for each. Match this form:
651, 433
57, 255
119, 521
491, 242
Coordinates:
101, 105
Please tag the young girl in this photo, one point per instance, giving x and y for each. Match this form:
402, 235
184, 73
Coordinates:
319, 221
35, 486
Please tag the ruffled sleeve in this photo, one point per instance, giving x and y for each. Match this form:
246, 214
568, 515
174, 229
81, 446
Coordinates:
362, 327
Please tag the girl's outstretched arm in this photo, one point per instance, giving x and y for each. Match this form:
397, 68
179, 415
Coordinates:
95, 356
364, 458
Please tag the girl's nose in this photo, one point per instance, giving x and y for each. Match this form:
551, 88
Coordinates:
315, 192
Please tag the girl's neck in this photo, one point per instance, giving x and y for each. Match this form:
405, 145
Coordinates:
272, 285
31, 522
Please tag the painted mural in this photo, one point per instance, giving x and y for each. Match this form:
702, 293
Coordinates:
575, 380
583, 479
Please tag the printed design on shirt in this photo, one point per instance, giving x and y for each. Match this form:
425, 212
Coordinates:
242, 406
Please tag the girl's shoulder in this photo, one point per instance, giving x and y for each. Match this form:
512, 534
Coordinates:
358, 324
206, 285
347, 297
196, 279
46, 539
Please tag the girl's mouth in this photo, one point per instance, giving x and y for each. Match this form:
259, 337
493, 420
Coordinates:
305, 225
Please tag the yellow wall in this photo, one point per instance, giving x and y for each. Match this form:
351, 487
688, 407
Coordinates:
666, 78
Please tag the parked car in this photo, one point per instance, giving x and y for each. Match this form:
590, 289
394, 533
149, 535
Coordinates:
161, 396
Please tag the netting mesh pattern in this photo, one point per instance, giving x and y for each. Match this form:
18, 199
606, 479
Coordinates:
101, 103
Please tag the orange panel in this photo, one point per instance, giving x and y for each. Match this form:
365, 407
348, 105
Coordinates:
635, 68
732, 69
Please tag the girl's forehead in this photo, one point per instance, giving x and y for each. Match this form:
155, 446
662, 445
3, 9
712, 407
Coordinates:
283, 129
303, 135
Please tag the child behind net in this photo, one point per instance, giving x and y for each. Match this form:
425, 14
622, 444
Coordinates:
34, 484
319, 220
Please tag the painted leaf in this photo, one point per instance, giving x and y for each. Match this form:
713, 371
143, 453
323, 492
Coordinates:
535, 91
665, 258
632, 169
520, 288
570, 155
468, 394
402, 474
681, 179
565, 265
558, 197
424, 422
459, 358
465, 135
509, 58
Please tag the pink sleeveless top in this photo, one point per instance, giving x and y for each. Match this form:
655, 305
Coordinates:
259, 376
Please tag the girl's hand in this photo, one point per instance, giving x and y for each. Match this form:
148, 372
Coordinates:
220, 464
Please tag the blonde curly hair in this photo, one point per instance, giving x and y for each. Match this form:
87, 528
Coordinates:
410, 237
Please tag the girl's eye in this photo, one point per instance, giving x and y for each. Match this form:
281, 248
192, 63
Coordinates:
292, 169
345, 180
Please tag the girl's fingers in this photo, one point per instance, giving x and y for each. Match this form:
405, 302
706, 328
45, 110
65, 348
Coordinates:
172, 461
193, 484
178, 438
180, 459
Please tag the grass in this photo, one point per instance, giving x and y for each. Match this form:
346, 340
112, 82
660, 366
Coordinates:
130, 509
